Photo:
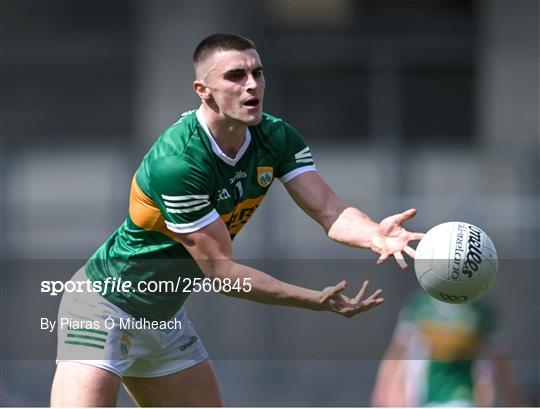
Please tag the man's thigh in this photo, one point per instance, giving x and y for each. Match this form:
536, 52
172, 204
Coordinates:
80, 385
195, 386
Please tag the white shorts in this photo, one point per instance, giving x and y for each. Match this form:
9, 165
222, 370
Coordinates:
93, 331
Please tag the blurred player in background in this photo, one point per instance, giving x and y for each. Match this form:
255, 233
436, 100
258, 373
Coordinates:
194, 191
444, 355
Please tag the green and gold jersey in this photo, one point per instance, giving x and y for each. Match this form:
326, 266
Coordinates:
443, 340
184, 183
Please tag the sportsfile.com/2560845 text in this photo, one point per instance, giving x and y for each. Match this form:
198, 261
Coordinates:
115, 285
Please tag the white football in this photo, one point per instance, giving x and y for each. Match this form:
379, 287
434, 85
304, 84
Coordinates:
456, 262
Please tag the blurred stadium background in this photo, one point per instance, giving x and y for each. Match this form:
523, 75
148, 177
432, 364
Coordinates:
431, 104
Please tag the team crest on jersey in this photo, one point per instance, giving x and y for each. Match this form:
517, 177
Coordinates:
125, 345
265, 174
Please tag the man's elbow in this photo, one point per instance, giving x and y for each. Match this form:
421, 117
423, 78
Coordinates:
217, 268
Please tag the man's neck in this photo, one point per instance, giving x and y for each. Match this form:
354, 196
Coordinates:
229, 135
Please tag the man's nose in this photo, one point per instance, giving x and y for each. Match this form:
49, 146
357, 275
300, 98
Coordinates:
251, 82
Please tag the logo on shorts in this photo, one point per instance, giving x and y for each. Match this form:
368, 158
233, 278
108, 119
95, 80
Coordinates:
192, 340
125, 345
265, 174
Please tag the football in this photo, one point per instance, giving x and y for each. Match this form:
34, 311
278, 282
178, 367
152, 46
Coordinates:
456, 262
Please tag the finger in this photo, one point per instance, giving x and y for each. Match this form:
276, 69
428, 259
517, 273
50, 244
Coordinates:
360, 294
374, 296
410, 251
365, 307
383, 258
416, 236
400, 260
406, 215
374, 304
339, 287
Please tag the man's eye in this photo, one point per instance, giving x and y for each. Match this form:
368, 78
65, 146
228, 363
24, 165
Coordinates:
257, 74
235, 76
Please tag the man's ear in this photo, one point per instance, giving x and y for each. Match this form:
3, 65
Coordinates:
202, 90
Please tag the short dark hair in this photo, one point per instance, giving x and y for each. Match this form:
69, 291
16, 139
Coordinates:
221, 42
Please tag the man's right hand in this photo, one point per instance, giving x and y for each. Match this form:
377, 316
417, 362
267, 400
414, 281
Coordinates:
333, 300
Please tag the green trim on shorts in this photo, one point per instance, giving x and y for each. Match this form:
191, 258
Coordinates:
87, 337
95, 331
86, 344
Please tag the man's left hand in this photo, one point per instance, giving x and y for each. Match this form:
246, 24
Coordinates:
391, 238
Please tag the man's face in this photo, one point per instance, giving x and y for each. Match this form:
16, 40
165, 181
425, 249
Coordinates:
236, 85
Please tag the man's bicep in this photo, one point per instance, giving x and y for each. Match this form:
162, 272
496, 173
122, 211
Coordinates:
315, 197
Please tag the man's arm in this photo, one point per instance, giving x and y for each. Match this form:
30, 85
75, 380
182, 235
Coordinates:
494, 380
389, 389
348, 225
211, 247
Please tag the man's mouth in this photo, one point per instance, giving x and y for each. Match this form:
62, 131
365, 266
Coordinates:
252, 102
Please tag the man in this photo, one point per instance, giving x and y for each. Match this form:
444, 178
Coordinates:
444, 355
193, 192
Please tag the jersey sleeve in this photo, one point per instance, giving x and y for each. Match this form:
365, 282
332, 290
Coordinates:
295, 156
182, 191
